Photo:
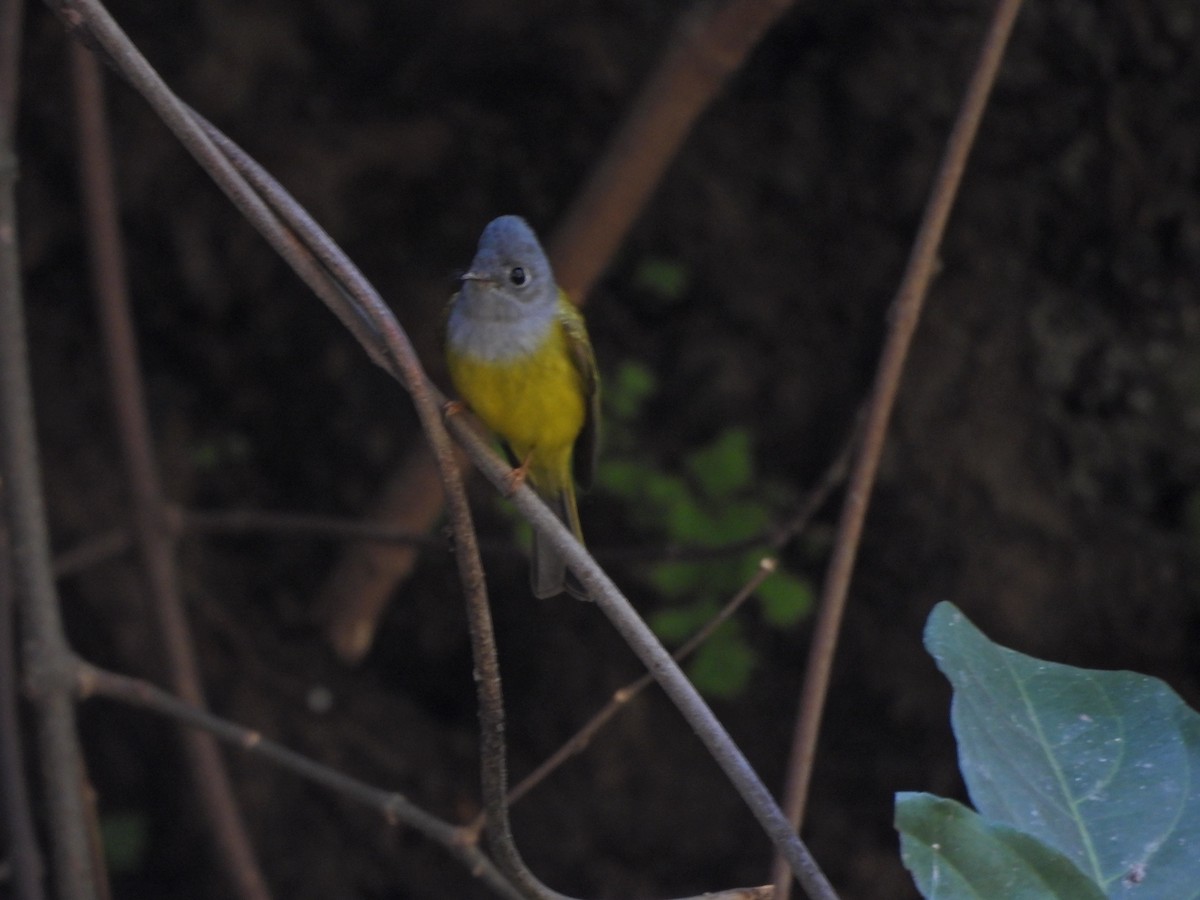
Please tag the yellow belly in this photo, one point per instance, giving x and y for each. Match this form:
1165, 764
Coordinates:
536, 404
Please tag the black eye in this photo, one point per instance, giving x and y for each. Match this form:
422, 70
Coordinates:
517, 276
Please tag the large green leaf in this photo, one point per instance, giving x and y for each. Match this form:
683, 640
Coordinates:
955, 854
1103, 766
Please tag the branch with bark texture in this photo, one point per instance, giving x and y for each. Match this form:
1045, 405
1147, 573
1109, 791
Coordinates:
338, 283
154, 542
903, 316
710, 43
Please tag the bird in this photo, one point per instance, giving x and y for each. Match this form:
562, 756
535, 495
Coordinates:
519, 356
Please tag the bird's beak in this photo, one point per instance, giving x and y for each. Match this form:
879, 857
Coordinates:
473, 276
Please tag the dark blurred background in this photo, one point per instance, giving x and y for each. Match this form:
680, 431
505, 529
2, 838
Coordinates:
1042, 470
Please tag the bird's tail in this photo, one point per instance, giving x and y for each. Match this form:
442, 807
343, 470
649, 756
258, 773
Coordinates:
549, 573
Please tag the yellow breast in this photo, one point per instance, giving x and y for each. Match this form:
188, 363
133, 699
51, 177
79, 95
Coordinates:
535, 403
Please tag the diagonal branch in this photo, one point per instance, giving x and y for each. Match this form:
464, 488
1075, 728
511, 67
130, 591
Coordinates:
710, 42
398, 351
623, 696
665, 670
903, 316
834, 473
370, 320
92, 681
461, 842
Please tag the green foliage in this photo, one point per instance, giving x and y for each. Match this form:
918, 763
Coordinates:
126, 836
722, 664
712, 500
786, 599
1088, 767
952, 851
627, 390
725, 466
666, 279
678, 623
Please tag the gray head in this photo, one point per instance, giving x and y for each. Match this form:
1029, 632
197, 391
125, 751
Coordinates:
510, 276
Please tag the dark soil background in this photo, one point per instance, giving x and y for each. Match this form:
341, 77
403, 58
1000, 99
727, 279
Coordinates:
1041, 473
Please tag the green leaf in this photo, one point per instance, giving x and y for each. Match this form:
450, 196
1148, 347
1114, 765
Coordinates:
1102, 766
954, 853
665, 278
785, 598
628, 389
621, 477
676, 624
737, 521
675, 579
664, 492
685, 521
722, 665
724, 466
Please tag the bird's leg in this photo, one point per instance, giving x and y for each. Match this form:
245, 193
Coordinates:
517, 476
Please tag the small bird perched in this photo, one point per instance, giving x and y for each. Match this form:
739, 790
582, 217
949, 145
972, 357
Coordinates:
519, 356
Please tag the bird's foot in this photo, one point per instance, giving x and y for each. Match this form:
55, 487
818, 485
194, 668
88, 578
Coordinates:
514, 479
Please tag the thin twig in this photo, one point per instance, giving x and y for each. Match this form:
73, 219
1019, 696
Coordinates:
709, 43
369, 306
24, 856
396, 809
398, 349
903, 316
47, 654
155, 545
93, 681
833, 475
461, 842
623, 696
666, 672
479, 616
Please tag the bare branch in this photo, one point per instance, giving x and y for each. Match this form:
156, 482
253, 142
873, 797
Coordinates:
24, 855
710, 42
394, 807
27, 867
903, 317
47, 653
92, 681
665, 671
623, 696
398, 350
780, 537
155, 544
